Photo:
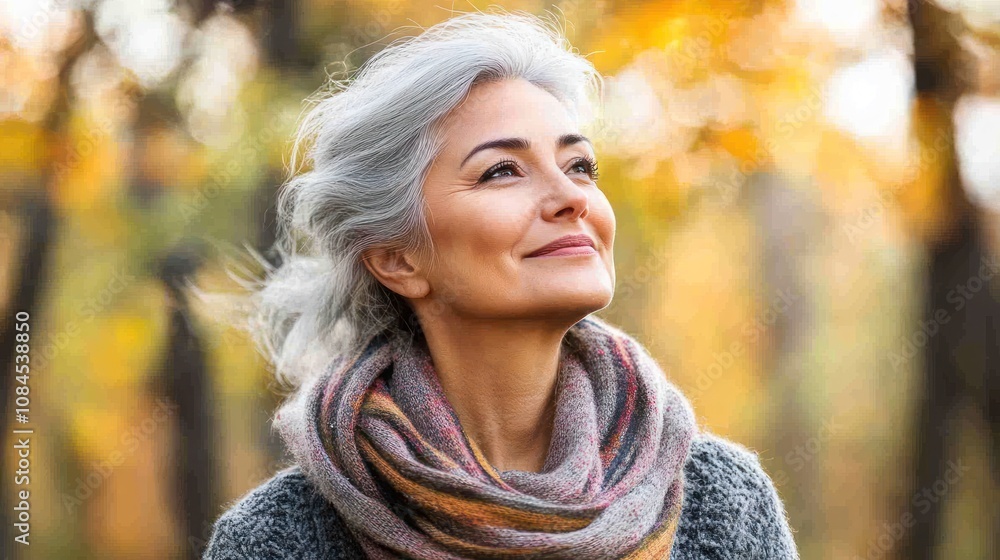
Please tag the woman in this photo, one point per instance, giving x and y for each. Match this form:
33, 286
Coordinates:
471, 406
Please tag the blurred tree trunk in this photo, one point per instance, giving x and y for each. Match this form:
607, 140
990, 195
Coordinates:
280, 39
281, 48
183, 377
184, 380
32, 266
31, 263
40, 224
961, 360
787, 219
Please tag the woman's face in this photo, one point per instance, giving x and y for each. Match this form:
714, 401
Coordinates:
513, 176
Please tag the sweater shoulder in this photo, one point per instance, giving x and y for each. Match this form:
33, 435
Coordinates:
283, 518
731, 506
724, 465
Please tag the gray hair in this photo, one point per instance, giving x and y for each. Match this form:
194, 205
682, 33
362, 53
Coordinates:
368, 143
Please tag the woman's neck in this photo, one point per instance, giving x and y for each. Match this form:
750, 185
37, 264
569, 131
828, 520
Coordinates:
500, 378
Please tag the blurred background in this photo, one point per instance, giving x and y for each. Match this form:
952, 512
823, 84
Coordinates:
807, 195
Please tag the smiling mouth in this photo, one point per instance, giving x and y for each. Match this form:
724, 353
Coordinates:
579, 250
578, 241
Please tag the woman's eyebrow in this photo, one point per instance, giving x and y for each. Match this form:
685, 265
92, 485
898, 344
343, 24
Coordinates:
515, 144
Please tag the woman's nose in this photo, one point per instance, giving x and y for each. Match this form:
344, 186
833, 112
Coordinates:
565, 198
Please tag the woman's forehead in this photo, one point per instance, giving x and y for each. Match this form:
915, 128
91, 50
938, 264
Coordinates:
538, 118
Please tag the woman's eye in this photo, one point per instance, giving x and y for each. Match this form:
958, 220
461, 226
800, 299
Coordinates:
589, 167
502, 169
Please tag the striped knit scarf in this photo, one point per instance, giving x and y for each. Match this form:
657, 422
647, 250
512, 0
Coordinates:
380, 440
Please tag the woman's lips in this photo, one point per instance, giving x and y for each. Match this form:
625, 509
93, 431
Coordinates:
569, 251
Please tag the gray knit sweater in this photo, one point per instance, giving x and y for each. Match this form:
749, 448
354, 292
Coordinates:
730, 511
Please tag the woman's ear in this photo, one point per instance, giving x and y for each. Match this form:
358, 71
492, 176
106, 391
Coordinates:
398, 271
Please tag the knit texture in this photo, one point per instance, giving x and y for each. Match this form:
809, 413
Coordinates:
731, 511
378, 438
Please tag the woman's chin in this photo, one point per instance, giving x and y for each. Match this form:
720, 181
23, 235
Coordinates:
576, 302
